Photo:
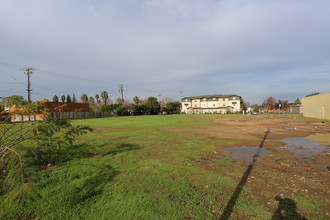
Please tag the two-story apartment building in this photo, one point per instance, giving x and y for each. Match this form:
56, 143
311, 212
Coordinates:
211, 104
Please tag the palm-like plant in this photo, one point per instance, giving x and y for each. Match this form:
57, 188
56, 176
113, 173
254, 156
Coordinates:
105, 97
97, 97
136, 100
84, 98
91, 100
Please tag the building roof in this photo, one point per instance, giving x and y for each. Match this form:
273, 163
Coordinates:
209, 96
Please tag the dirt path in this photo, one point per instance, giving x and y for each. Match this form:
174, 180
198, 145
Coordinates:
281, 173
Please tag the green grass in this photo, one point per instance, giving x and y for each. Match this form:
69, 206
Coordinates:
138, 168
310, 204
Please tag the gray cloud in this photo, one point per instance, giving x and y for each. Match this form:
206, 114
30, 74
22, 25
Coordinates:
251, 48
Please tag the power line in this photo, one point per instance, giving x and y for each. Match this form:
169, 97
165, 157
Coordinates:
8, 91
46, 88
10, 65
13, 78
93, 80
5, 64
10, 82
37, 93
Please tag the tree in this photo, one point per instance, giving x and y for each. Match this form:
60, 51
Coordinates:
55, 98
63, 98
165, 101
140, 109
255, 108
282, 104
110, 108
271, 102
297, 101
173, 107
136, 100
105, 97
152, 105
68, 98
84, 98
74, 98
91, 101
120, 100
244, 105
123, 110
97, 97
13, 100
312, 94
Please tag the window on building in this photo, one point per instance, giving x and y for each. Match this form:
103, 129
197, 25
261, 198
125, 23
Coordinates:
223, 99
213, 105
223, 105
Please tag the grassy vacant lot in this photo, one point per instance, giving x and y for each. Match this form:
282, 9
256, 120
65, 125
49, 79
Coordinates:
171, 167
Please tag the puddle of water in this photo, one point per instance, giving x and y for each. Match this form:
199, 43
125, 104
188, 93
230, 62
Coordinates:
291, 128
295, 123
303, 148
245, 153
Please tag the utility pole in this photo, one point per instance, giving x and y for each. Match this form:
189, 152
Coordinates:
121, 91
28, 72
159, 95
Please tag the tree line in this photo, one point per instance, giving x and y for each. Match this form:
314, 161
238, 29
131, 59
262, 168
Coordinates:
102, 103
272, 103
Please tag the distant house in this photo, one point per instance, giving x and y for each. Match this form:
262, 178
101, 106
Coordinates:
317, 106
50, 107
205, 104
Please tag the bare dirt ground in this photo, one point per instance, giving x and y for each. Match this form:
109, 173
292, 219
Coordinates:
279, 173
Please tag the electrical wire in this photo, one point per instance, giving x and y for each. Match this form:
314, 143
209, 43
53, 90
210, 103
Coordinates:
9, 65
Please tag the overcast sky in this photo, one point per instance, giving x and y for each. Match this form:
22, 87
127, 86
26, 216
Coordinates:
254, 48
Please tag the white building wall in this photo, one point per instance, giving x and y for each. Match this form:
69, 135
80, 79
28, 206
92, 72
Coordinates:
211, 105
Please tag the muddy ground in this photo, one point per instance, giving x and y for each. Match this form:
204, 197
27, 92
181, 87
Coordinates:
279, 173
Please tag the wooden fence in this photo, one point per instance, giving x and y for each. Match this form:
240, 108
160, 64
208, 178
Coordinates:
78, 115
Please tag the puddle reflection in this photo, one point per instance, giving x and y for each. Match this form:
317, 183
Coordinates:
303, 148
244, 153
